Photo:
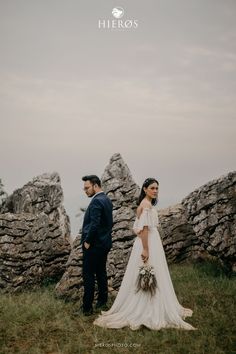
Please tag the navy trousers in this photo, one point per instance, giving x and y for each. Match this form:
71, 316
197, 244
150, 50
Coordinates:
94, 268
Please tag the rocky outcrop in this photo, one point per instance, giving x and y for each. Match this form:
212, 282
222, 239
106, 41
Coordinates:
118, 184
3, 194
70, 285
211, 212
123, 191
178, 237
34, 233
203, 225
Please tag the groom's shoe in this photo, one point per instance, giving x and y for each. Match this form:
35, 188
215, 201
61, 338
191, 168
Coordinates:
101, 306
82, 311
88, 312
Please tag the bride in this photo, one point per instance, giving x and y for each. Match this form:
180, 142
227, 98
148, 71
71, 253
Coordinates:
133, 308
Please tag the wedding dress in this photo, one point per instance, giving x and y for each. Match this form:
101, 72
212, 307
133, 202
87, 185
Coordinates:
134, 309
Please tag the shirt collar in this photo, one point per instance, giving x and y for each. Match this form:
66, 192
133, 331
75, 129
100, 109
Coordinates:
96, 194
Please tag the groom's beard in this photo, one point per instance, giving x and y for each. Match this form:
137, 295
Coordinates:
92, 193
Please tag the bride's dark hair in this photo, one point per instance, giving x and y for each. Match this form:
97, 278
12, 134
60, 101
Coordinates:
142, 195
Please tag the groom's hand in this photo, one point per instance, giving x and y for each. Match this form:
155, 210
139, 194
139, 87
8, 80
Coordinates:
86, 245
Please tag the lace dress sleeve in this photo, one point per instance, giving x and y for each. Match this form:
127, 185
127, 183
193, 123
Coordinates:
145, 219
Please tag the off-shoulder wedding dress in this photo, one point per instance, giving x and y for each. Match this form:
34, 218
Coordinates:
133, 309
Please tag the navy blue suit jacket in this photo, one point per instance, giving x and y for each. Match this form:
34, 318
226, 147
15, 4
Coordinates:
98, 222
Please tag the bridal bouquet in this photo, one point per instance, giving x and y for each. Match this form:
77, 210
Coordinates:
146, 279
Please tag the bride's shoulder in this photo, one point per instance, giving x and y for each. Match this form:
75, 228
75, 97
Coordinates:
145, 204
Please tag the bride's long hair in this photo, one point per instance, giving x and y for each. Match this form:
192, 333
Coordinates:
142, 195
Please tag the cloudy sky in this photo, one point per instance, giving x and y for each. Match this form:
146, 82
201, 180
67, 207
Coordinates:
162, 94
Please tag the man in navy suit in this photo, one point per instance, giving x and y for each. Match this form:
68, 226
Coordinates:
96, 243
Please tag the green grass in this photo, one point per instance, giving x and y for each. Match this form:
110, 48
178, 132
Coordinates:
39, 323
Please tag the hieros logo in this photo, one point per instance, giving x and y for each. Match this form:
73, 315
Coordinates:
118, 13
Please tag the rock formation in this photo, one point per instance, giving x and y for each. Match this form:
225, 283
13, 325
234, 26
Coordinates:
3, 194
34, 233
203, 225
178, 238
211, 212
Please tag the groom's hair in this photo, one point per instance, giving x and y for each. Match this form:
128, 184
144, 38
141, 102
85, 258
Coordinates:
93, 179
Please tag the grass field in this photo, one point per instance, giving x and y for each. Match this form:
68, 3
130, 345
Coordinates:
36, 322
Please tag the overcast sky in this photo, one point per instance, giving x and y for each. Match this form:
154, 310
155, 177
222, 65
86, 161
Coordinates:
72, 95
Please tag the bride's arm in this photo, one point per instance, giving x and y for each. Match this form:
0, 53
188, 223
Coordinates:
144, 237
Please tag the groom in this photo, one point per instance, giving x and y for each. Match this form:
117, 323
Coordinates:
96, 243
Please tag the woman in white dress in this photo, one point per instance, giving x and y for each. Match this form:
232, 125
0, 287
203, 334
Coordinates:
134, 308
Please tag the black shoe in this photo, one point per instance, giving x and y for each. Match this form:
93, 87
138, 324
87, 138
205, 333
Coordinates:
88, 312
81, 312
101, 306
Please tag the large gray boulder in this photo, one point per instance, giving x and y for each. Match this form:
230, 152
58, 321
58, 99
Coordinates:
211, 212
34, 234
123, 191
203, 225
178, 238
